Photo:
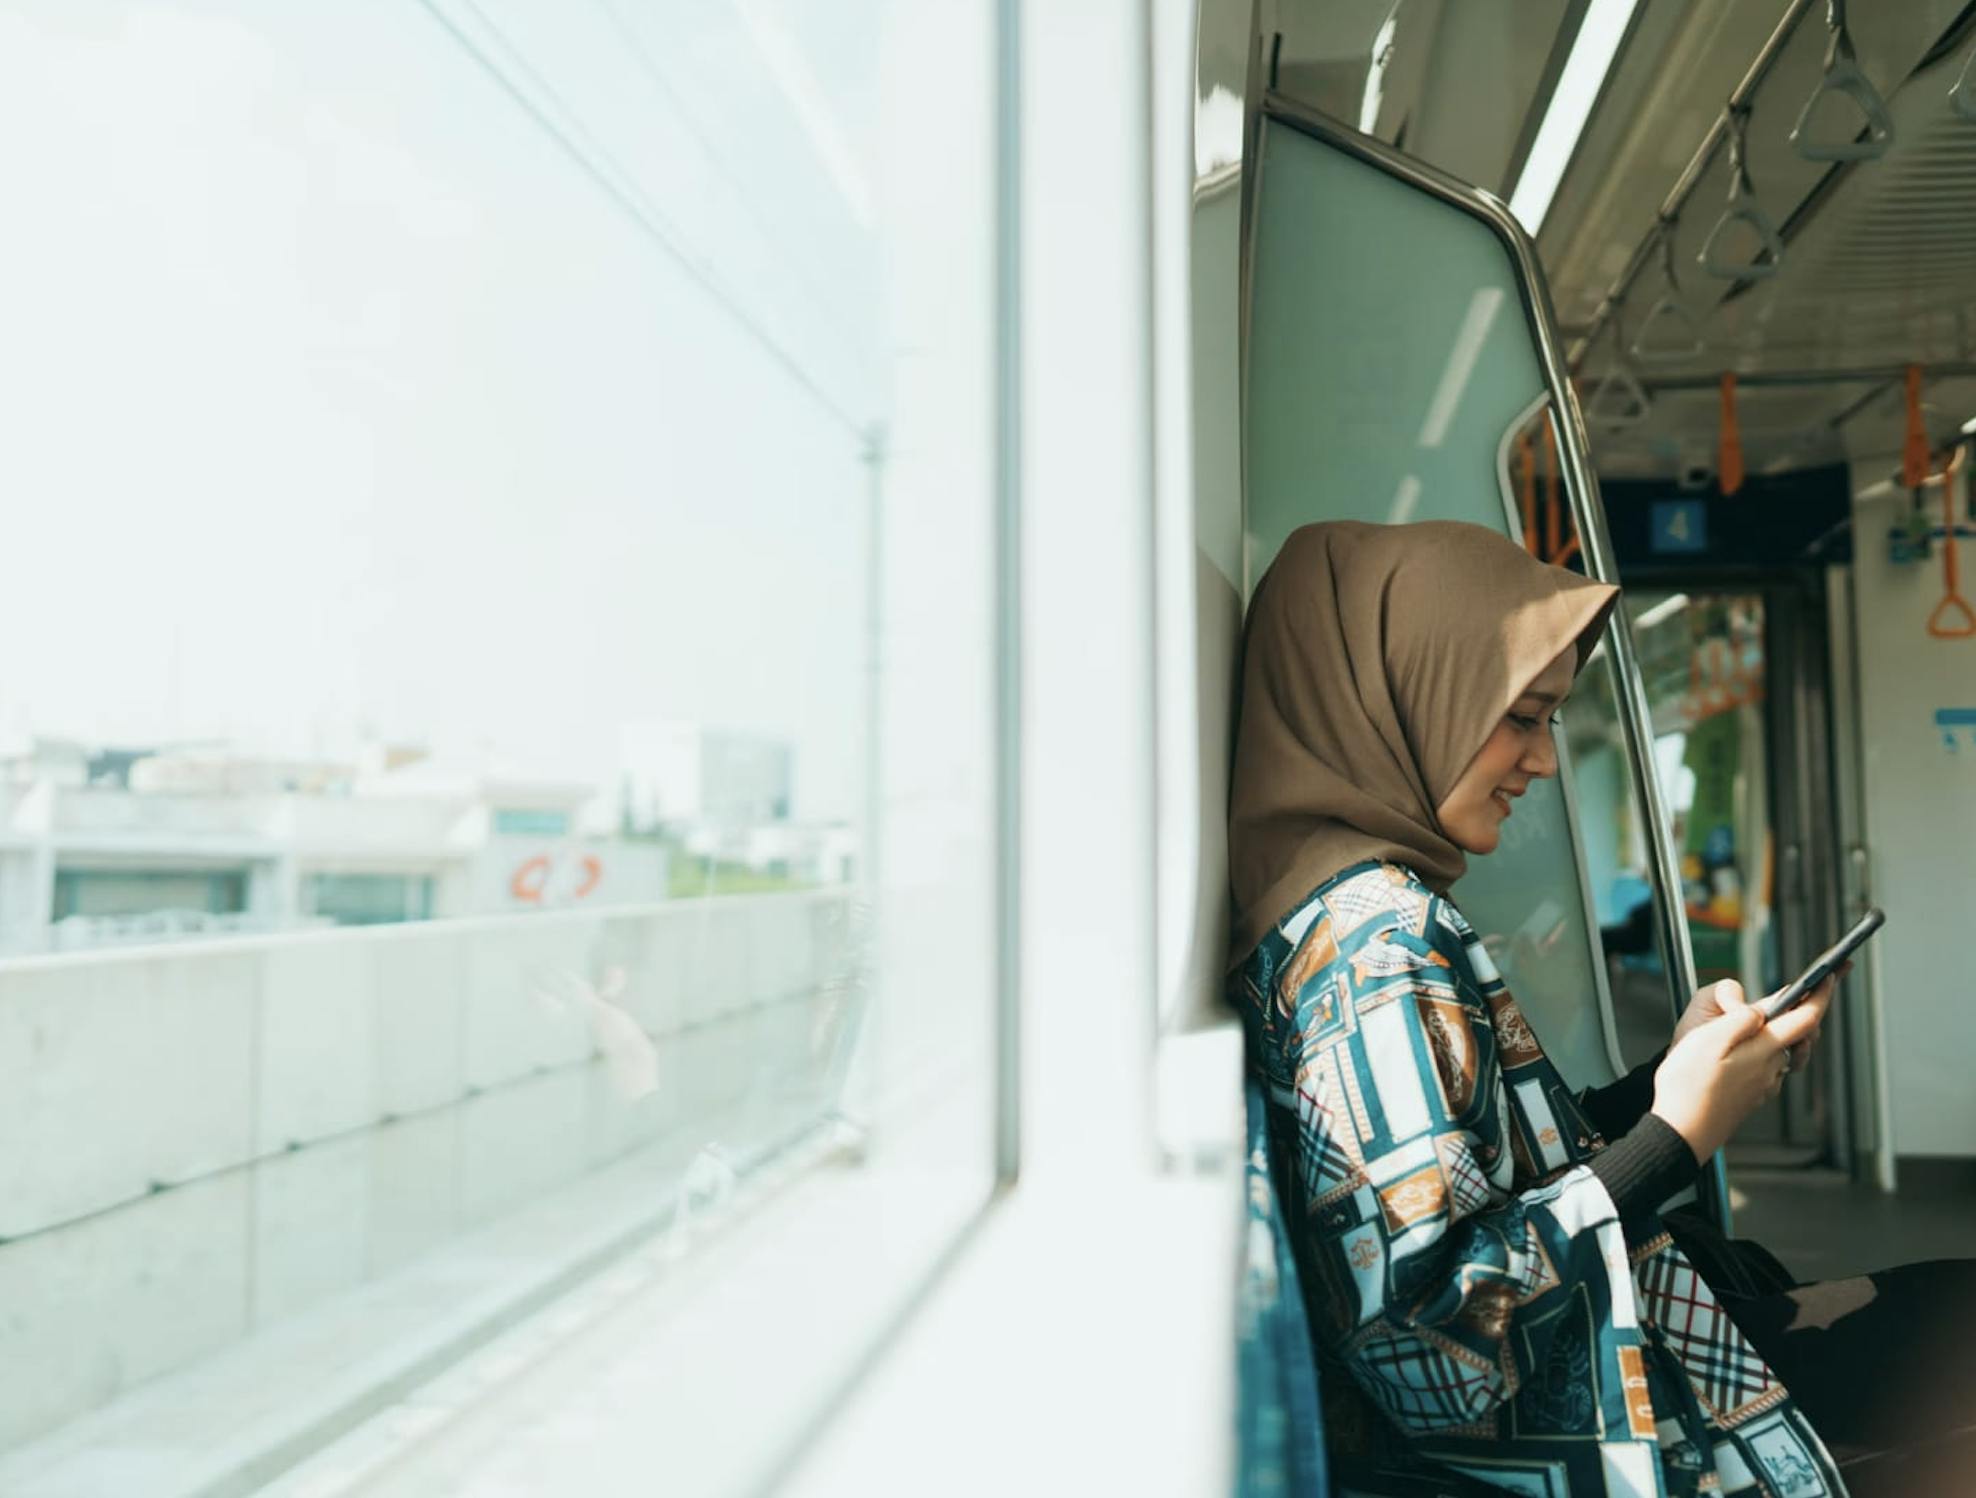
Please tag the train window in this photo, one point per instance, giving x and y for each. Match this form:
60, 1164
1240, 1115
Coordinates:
497, 710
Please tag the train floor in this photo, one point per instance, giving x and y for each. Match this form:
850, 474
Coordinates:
1825, 1226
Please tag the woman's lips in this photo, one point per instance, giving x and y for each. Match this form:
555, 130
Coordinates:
1501, 800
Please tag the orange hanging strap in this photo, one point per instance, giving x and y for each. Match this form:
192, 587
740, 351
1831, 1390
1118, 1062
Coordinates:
1729, 453
1562, 548
1953, 618
1527, 491
1914, 451
1550, 489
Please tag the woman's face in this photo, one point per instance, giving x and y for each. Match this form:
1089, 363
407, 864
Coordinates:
1518, 752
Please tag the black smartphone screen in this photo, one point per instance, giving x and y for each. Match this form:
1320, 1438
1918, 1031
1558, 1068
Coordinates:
1828, 963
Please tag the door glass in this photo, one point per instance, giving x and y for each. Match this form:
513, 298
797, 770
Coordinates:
1703, 659
1392, 368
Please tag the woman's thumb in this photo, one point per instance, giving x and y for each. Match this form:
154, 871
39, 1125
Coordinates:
1739, 1021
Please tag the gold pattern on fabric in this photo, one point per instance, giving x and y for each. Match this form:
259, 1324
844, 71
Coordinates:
1317, 951
1455, 1060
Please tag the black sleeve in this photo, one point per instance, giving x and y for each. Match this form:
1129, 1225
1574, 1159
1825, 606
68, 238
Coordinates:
1615, 1108
1644, 1167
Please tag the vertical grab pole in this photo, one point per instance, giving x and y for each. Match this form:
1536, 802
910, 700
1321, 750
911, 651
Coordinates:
1636, 723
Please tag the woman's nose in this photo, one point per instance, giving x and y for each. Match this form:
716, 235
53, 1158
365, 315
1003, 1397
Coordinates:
1541, 759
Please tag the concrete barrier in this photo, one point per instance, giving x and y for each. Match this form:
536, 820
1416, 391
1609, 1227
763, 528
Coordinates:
199, 1140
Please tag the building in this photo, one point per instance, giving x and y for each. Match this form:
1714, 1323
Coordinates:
104, 847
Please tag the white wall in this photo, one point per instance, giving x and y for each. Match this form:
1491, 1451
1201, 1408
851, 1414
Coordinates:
319, 1109
1921, 830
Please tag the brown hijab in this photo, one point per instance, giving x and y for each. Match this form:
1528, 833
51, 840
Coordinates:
1378, 660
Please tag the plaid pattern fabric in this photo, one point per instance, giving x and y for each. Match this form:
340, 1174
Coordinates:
1726, 1372
1328, 1166
1468, 1187
1462, 1270
1422, 1386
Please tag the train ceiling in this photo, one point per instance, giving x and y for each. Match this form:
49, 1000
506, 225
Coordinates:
1879, 260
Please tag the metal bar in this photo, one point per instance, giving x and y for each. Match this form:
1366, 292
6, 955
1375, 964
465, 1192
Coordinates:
1581, 484
1784, 379
1670, 207
1853, 407
1008, 590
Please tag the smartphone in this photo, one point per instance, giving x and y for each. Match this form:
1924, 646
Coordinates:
1828, 963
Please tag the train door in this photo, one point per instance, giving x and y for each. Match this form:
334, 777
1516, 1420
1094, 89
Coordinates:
1399, 349
1739, 685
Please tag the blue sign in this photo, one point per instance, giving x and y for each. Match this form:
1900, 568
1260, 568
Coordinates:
1679, 525
1949, 719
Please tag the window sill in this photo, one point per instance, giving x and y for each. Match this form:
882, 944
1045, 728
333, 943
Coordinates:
1083, 1343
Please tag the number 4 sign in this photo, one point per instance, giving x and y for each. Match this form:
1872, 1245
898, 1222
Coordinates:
1679, 525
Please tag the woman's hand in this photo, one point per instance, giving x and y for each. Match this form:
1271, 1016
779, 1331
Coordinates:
1708, 1004
1717, 999
1727, 1066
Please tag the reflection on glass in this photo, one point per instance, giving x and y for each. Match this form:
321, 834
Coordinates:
496, 710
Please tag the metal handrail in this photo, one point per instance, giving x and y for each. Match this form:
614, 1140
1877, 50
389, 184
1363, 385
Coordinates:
1843, 75
1582, 487
1691, 174
1743, 208
1785, 379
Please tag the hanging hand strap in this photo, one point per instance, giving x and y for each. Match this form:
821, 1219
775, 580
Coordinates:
1743, 208
1914, 449
1669, 332
1526, 452
1843, 75
1953, 618
1729, 447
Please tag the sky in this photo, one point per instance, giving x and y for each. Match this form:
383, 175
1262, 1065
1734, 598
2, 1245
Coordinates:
339, 399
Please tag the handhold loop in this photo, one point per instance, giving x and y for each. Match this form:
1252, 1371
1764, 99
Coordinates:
1618, 384
1962, 95
1686, 340
1743, 208
1843, 75
1942, 623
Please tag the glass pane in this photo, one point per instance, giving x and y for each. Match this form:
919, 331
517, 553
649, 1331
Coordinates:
1613, 830
502, 503
1391, 370
1703, 660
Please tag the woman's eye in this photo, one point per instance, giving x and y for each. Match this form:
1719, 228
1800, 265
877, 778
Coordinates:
1526, 724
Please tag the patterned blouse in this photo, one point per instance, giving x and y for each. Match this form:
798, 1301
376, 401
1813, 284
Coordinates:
1481, 1318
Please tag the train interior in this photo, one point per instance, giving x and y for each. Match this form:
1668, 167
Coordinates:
625, 889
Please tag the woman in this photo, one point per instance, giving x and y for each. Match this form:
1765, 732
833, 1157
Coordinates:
1495, 1299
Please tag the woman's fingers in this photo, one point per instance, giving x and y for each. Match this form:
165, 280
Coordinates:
1737, 1025
1797, 1026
